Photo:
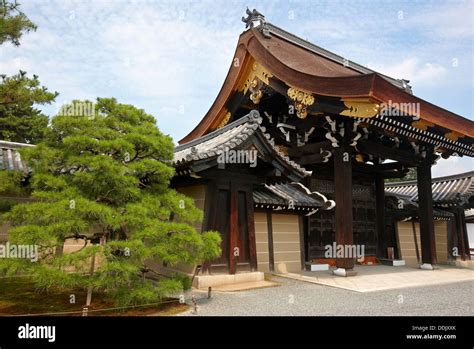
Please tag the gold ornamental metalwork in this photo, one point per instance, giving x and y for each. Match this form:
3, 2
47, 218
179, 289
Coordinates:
225, 120
256, 94
257, 71
303, 100
422, 124
453, 136
360, 108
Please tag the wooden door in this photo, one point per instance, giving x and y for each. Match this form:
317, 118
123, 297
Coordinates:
231, 209
222, 225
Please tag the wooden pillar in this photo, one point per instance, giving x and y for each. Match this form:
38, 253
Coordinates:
251, 229
343, 196
467, 250
380, 216
303, 225
209, 216
415, 239
398, 250
425, 208
271, 256
461, 234
452, 239
234, 228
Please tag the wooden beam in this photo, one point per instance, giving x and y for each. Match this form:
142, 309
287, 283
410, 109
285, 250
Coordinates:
322, 104
363, 168
425, 208
343, 196
312, 159
378, 150
380, 216
390, 166
389, 170
310, 148
394, 174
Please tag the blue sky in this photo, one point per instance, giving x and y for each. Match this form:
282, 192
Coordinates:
171, 57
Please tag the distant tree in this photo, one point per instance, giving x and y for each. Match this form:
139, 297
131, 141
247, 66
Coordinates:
20, 121
410, 176
104, 177
13, 22
10, 182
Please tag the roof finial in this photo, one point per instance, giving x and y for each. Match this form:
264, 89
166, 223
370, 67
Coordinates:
256, 19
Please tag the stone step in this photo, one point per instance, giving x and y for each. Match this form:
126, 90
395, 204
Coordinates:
205, 281
245, 286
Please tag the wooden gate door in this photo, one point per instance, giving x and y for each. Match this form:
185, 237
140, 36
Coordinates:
230, 208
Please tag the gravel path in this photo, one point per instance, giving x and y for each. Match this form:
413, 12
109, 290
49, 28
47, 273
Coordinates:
301, 298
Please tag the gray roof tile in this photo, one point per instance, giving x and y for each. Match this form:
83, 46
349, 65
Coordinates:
10, 157
230, 137
447, 191
281, 194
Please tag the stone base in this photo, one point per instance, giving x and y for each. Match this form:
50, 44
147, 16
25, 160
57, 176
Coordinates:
392, 262
317, 267
205, 281
398, 262
344, 272
464, 264
426, 266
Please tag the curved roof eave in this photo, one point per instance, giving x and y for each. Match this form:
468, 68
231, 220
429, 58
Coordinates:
246, 128
373, 86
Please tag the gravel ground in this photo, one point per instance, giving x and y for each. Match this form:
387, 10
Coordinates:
306, 299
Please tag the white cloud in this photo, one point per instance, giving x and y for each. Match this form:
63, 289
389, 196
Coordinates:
412, 69
453, 20
327, 29
159, 57
452, 165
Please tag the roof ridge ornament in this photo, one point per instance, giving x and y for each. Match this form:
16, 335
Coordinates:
256, 19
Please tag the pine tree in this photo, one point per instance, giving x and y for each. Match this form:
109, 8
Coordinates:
13, 22
20, 120
104, 176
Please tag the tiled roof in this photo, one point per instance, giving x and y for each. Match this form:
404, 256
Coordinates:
447, 191
232, 136
411, 208
281, 195
277, 31
10, 157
